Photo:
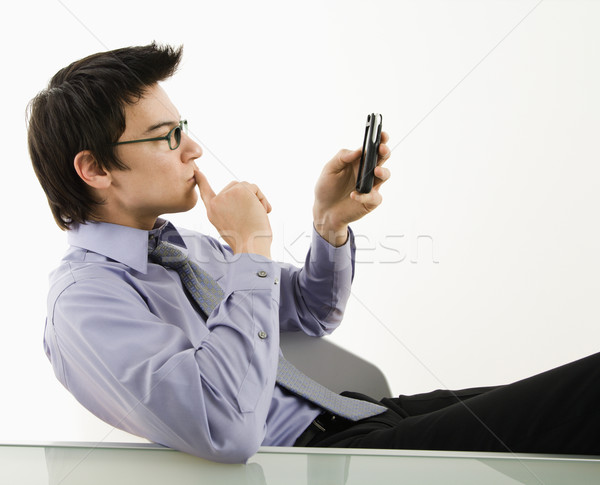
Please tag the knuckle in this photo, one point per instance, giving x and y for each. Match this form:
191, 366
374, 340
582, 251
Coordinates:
239, 187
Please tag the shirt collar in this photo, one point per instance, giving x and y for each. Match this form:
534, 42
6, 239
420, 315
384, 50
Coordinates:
124, 244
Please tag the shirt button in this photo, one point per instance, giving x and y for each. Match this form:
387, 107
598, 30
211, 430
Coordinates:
262, 335
262, 274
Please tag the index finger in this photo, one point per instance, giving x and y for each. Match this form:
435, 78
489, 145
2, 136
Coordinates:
350, 155
206, 191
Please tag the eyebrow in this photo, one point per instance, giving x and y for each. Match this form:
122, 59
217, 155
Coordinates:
160, 125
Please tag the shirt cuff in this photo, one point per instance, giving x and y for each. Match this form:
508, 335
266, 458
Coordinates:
339, 257
253, 272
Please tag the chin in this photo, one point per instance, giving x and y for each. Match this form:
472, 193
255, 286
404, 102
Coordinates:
188, 204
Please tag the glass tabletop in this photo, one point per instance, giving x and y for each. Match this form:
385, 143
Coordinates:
116, 464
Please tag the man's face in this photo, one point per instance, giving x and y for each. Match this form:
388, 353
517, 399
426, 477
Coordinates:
159, 180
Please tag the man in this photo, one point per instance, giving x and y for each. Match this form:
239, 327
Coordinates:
170, 335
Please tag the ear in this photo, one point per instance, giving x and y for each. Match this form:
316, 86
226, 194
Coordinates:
90, 171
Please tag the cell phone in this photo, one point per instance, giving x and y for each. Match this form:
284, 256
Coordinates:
370, 149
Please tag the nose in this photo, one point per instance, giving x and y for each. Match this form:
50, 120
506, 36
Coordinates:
190, 149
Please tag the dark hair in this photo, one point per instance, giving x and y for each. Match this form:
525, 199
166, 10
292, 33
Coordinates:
83, 108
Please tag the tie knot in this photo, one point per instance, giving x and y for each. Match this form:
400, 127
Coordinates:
169, 255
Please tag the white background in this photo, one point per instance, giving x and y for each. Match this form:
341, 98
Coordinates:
482, 264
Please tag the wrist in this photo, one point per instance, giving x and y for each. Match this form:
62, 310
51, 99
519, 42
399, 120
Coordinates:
257, 244
329, 226
261, 251
336, 235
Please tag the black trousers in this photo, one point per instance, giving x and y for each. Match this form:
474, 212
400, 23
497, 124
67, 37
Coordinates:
557, 411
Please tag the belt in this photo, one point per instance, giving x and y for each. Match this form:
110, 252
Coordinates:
325, 421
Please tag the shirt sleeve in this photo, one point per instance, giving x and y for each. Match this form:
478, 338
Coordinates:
313, 298
206, 396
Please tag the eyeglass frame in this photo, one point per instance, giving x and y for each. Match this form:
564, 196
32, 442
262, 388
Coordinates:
182, 125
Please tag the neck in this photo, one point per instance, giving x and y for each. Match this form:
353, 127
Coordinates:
145, 223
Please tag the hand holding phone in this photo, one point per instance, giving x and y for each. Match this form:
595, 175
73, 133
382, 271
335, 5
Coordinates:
370, 149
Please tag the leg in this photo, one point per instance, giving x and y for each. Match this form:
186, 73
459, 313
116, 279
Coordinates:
553, 412
429, 402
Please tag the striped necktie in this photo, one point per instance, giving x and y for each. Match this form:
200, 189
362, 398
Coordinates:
207, 293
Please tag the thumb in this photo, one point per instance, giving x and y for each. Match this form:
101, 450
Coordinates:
206, 191
342, 159
349, 156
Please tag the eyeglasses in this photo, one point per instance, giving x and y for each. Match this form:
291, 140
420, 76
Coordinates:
173, 137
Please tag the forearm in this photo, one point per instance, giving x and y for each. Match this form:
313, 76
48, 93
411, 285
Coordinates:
240, 354
314, 297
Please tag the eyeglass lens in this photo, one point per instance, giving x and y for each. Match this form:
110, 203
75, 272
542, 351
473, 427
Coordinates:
175, 138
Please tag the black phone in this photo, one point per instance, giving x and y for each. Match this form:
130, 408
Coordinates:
370, 149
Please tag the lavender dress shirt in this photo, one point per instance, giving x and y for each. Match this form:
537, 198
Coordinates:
126, 340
